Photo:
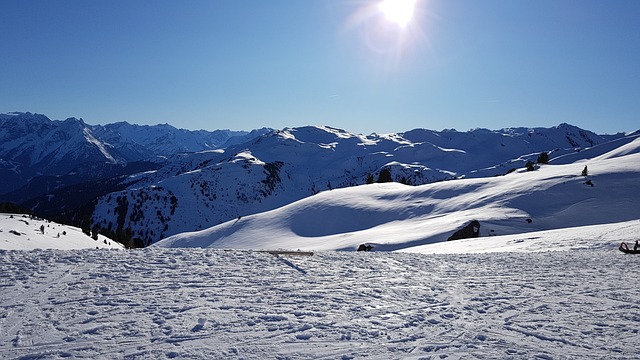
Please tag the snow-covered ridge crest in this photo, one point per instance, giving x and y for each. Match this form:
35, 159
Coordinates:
32, 144
398, 217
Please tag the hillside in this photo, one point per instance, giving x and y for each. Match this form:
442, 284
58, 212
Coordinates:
200, 190
398, 217
24, 232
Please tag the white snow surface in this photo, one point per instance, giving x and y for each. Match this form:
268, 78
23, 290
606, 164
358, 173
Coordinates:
216, 304
394, 217
208, 189
22, 232
555, 287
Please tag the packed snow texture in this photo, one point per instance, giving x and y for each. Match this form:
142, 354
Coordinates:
24, 232
216, 304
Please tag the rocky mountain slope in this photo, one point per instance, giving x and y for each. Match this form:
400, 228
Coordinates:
32, 145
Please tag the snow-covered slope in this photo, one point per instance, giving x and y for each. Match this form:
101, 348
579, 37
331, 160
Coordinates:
210, 188
215, 304
24, 232
592, 237
397, 217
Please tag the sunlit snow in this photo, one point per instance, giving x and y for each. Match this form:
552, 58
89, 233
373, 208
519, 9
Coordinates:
544, 281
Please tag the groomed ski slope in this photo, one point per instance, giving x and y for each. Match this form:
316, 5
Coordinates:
216, 304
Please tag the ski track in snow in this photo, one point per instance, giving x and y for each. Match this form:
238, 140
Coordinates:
205, 303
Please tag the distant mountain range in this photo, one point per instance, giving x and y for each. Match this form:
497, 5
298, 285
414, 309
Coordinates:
32, 145
202, 179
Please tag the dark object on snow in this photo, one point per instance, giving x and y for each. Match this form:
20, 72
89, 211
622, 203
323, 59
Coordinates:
529, 221
589, 182
288, 252
625, 248
530, 165
585, 171
543, 158
365, 247
472, 230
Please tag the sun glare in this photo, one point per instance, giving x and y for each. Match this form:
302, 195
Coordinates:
399, 12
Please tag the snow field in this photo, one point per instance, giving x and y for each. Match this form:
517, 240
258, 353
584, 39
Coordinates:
206, 303
20, 232
394, 217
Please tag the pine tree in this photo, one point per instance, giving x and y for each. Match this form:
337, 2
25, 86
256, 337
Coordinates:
369, 179
543, 158
385, 176
585, 171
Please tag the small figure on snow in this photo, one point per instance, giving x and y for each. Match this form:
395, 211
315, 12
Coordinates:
636, 246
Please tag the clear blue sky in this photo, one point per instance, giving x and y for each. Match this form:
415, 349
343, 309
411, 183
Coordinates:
243, 64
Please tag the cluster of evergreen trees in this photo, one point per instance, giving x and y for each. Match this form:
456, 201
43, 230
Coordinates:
385, 177
543, 158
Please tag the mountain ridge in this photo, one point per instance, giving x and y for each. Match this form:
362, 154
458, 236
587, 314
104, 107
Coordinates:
287, 165
258, 171
397, 217
33, 145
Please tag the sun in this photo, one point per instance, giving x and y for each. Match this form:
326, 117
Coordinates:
398, 12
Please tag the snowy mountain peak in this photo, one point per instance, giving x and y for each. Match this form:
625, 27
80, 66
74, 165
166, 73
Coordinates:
32, 144
23, 116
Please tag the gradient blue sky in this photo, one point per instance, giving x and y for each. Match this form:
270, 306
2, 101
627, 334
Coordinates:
244, 64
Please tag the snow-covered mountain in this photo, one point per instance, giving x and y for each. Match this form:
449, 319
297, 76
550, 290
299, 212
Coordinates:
200, 190
196, 179
32, 145
394, 216
505, 299
144, 141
